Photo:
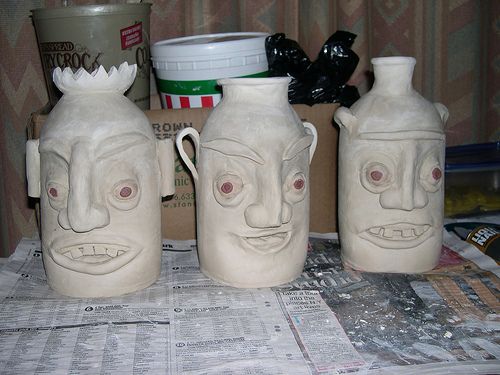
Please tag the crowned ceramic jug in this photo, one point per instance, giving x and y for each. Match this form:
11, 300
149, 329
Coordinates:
100, 173
252, 185
391, 163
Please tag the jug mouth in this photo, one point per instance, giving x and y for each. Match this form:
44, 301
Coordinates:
393, 60
254, 81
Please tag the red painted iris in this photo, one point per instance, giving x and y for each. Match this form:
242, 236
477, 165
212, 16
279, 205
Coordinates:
226, 187
437, 174
376, 175
299, 184
53, 192
125, 192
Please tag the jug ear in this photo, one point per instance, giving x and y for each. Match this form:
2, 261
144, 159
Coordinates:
346, 119
443, 112
195, 137
311, 130
167, 166
33, 167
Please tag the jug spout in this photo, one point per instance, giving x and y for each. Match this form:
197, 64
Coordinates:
261, 91
393, 75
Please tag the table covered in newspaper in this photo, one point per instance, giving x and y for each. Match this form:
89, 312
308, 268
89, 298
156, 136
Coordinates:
329, 321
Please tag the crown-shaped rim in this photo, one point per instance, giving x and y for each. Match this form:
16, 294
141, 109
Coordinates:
117, 80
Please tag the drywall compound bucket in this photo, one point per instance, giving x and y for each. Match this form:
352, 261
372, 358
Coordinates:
187, 68
91, 35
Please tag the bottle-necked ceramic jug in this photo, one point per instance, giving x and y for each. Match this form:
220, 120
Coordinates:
391, 171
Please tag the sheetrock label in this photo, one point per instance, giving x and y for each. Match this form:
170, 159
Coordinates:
66, 54
131, 36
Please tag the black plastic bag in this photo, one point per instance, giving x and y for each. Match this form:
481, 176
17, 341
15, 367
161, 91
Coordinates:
321, 81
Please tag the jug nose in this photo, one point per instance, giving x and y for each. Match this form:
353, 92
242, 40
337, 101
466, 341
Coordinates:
407, 193
268, 216
269, 210
85, 210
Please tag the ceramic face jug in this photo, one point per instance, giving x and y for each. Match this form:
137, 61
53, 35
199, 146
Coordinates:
391, 162
252, 185
100, 174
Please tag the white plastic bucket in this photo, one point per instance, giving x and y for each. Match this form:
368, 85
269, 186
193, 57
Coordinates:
187, 68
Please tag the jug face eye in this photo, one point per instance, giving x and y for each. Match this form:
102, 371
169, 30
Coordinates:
295, 187
431, 173
125, 194
227, 188
57, 194
377, 176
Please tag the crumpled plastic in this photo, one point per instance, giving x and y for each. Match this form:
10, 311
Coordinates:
321, 81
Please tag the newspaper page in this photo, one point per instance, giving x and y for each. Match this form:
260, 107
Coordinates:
330, 320
183, 324
443, 321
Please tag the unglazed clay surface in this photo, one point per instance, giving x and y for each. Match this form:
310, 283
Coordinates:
391, 171
252, 185
100, 180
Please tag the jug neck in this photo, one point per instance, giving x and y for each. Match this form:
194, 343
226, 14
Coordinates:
261, 91
393, 75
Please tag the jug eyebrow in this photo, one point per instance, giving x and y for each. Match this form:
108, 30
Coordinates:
230, 147
55, 146
120, 143
295, 148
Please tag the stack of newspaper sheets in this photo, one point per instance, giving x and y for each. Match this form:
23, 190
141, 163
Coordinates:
329, 321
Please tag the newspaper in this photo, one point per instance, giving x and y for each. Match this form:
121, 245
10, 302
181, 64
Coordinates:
444, 321
329, 321
183, 324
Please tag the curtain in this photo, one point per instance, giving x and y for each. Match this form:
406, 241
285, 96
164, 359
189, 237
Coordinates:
456, 44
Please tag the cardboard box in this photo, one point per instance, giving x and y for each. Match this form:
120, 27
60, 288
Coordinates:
178, 212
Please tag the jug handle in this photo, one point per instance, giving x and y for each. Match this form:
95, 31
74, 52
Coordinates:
311, 130
195, 137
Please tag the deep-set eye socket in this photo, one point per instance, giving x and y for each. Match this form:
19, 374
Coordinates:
227, 189
376, 176
57, 194
125, 194
431, 174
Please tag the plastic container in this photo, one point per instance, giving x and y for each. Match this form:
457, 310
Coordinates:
91, 35
484, 236
472, 179
187, 69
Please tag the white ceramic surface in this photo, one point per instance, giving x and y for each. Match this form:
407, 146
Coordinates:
252, 185
391, 171
100, 174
